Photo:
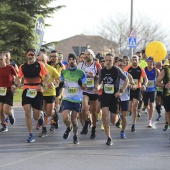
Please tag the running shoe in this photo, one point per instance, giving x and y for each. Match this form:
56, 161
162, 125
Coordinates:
139, 115
93, 133
41, 120
30, 139
85, 129
159, 116
75, 139
4, 128
166, 127
102, 127
99, 116
12, 118
67, 132
122, 135
133, 128
129, 114
109, 142
119, 123
43, 133
150, 124
52, 128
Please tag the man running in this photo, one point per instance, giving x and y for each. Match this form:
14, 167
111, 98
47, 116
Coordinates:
54, 62
32, 73
6, 92
109, 79
125, 97
149, 94
165, 77
73, 79
48, 93
137, 73
90, 94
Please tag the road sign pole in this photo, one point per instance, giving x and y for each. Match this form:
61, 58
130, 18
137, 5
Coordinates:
131, 25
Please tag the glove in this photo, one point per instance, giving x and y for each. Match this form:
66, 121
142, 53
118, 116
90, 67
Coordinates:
80, 82
61, 84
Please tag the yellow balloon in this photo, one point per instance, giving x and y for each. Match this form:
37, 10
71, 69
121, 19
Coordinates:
157, 50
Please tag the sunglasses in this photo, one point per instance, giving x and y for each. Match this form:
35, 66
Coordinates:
41, 60
103, 61
120, 65
53, 56
31, 55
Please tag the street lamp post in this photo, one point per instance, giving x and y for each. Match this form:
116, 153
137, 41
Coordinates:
131, 26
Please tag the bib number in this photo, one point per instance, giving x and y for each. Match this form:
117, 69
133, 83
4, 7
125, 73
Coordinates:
72, 90
3, 91
136, 82
109, 88
150, 84
31, 93
90, 82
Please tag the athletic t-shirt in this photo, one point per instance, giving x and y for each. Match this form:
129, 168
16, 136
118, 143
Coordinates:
53, 75
110, 79
6, 76
137, 74
126, 94
30, 70
91, 83
151, 75
72, 90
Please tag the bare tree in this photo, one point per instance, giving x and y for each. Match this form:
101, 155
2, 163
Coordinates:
117, 29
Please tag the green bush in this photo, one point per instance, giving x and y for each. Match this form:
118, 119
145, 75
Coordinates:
18, 95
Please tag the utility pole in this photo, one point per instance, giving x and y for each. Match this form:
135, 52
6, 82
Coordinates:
131, 26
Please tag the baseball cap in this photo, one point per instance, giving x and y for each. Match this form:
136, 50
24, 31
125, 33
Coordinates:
149, 59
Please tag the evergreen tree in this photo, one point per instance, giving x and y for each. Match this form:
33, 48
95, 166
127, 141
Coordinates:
17, 24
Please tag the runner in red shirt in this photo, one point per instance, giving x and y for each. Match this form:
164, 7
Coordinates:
6, 92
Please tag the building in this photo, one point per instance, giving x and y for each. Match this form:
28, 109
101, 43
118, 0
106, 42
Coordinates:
79, 43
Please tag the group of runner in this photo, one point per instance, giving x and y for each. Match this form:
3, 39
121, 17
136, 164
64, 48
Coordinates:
83, 89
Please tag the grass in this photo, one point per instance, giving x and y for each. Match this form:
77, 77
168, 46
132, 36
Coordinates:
18, 95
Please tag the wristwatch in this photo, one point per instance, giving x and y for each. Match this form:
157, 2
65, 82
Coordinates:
120, 90
42, 84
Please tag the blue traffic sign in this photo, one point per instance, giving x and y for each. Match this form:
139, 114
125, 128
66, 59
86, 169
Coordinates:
132, 42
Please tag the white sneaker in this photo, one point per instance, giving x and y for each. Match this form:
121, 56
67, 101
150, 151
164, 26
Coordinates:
150, 124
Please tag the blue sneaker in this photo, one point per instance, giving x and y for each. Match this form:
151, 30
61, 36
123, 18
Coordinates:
30, 139
122, 135
41, 120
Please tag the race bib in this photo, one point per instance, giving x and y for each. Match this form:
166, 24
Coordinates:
135, 81
72, 90
89, 82
3, 91
109, 88
150, 84
31, 93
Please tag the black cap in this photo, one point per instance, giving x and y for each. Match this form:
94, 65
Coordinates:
31, 50
72, 56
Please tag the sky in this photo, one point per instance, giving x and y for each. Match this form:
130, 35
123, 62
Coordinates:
85, 16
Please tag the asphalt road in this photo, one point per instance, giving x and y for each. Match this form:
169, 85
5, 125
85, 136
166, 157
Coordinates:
147, 149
